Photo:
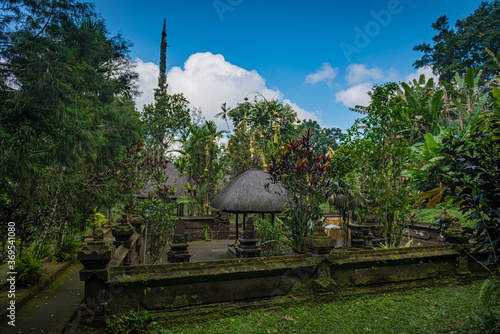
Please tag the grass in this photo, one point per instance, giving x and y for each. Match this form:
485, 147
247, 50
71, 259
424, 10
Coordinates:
444, 309
427, 215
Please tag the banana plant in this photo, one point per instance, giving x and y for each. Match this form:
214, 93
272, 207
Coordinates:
426, 102
468, 97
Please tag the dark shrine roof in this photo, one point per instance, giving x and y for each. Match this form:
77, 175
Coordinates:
247, 193
174, 179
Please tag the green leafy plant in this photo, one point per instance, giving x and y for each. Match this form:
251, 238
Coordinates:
425, 101
385, 245
271, 237
133, 323
96, 220
475, 180
46, 249
376, 152
347, 200
158, 216
68, 248
307, 178
489, 296
29, 271
203, 165
206, 232
468, 97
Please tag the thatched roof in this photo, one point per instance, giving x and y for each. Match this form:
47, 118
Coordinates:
174, 179
247, 194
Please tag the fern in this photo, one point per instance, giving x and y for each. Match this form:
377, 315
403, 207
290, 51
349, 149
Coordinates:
489, 294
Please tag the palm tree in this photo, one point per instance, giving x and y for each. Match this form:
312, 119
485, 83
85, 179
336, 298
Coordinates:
200, 148
224, 115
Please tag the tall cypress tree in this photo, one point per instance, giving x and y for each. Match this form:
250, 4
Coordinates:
162, 77
168, 115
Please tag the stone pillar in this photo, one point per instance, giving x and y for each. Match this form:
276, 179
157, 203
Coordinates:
136, 222
95, 255
221, 225
463, 263
179, 247
122, 233
367, 241
323, 281
319, 242
248, 244
452, 228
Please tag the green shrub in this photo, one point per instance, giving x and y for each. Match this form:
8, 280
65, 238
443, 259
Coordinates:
29, 271
489, 295
159, 219
97, 220
69, 248
45, 251
271, 237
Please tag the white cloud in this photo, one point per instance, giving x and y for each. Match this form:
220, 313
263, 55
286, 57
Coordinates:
358, 73
361, 80
355, 95
326, 73
148, 80
426, 70
301, 113
10, 80
208, 81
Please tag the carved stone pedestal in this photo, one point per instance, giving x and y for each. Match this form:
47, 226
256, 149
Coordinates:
122, 233
452, 233
248, 243
136, 222
319, 242
178, 251
367, 241
95, 255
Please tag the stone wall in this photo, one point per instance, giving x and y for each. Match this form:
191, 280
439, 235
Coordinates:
167, 286
180, 284
218, 226
116, 281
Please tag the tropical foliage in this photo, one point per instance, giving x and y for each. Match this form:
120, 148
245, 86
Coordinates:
307, 179
66, 114
272, 239
456, 50
202, 164
380, 158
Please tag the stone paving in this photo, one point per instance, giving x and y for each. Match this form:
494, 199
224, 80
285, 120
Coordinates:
51, 309
206, 250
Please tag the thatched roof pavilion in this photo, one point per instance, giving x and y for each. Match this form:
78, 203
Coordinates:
247, 193
174, 179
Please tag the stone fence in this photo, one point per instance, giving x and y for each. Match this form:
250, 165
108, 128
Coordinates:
98, 255
115, 280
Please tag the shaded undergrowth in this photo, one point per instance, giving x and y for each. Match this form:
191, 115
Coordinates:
444, 309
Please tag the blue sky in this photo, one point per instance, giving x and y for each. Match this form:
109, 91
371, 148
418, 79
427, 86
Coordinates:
319, 56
